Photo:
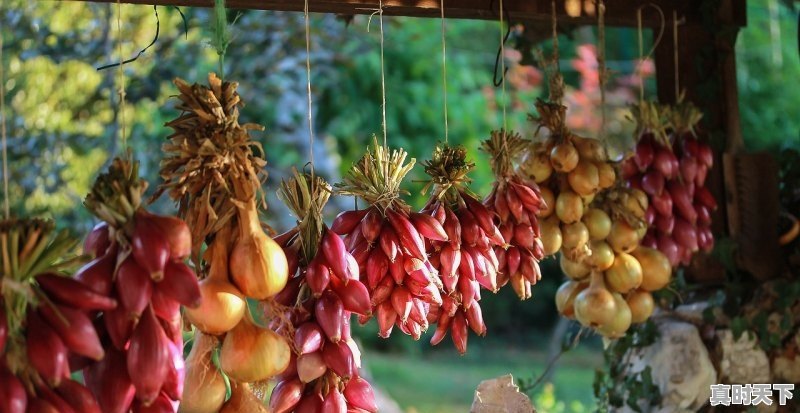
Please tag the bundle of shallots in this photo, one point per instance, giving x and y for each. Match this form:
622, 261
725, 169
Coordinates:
213, 172
517, 202
388, 243
611, 285
466, 259
45, 322
140, 262
315, 311
570, 171
672, 169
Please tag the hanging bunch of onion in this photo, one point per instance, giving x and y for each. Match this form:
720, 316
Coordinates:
46, 328
388, 243
672, 168
570, 171
610, 286
516, 201
140, 263
461, 245
315, 310
212, 171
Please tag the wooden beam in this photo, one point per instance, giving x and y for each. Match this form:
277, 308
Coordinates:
619, 12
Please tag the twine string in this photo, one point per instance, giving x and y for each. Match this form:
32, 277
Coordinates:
601, 63
308, 90
6, 202
503, 66
121, 79
675, 51
642, 57
383, 75
444, 70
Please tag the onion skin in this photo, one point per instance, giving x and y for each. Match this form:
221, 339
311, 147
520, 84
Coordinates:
119, 327
250, 353
335, 254
347, 221
109, 382
47, 394
359, 394
257, 265
334, 402
564, 157
134, 287
308, 338
175, 232
311, 403
329, 312
354, 296
149, 247
162, 404
98, 240
148, 358
3, 326
641, 305
46, 352
565, 297
620, 323
595, 306
243, 400
180, 284
285, 396
98, 273
13, 398
625, 274
176, 372
74, 293
41, 406
656, 268
645, 153
310, 367
78, 396
339, 358
222, 305
204, 389
78, 333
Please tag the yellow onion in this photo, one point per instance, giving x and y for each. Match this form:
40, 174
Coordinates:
656, 269
222, 304
564, 157
204, 387
584, 178
590, 149
549, 202
607, 175
598, 223
258, 265
565, 297
622, 238
537, 166
550, 236
250, 353
576, 271
595, 306
641, 304
602, 256
243, 400
625, 274
636, 202
574, 235
621, 321
569, 207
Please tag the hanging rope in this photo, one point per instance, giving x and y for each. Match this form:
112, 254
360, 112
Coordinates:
601, 63
556, 80
640, 33
503, 37
308, 89
675, 51
121, 80
383, 75
444, 70
3, 131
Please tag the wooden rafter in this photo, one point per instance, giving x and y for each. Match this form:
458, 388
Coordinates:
619, 12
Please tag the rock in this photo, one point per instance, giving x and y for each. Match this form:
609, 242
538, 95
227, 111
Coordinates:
500, 395
693, 313
680, 366
742, 361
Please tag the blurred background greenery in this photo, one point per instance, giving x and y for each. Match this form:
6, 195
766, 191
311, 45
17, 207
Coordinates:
64, 118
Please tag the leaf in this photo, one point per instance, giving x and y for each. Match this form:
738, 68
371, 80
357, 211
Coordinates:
738, 326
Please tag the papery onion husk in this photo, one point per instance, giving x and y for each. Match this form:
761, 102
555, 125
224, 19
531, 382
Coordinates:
251, 353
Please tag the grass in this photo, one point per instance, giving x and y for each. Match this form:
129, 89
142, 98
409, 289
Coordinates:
443, 382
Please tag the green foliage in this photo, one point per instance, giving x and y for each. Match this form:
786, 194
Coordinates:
616, 385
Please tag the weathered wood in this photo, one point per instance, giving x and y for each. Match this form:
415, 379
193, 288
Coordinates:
619, 12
